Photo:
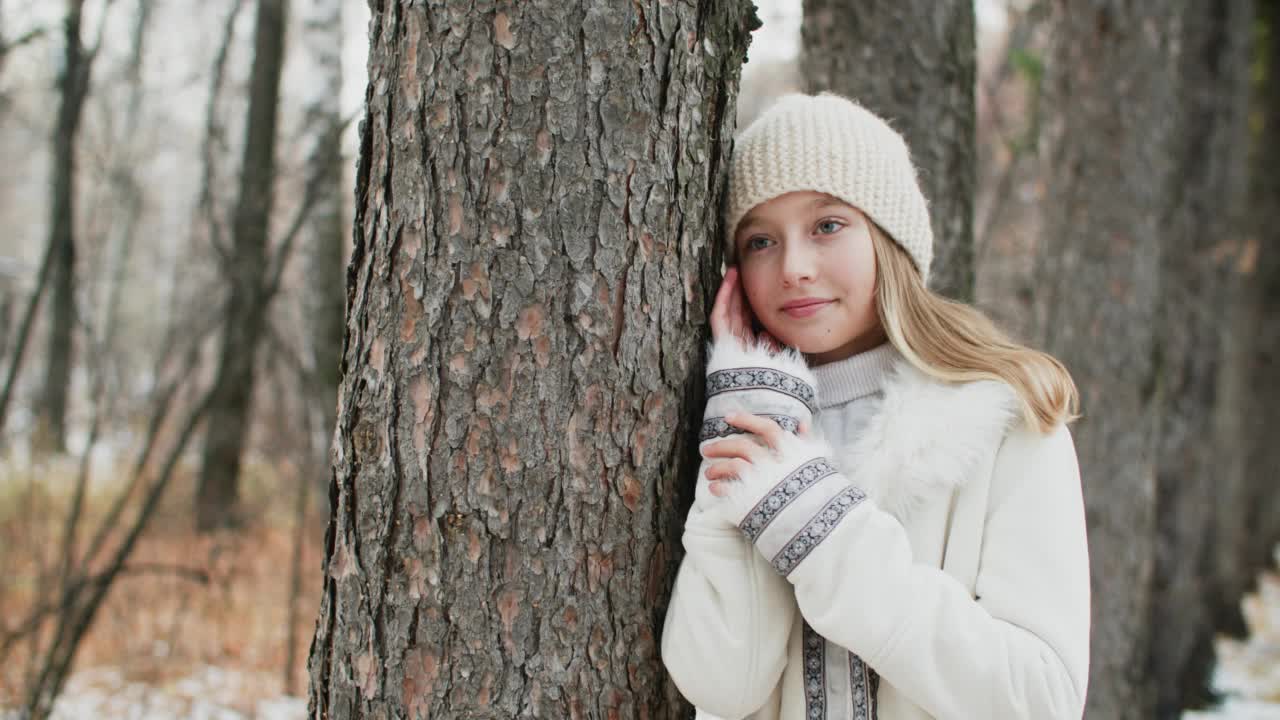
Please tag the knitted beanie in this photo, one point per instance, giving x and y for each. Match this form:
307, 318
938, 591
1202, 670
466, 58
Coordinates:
829, 144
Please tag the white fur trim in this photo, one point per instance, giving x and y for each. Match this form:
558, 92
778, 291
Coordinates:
731, 352
928, 437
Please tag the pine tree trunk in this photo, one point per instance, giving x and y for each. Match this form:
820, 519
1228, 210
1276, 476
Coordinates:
1210, 156
227, 422
536, 248
912, 62
1111, 187
73, 85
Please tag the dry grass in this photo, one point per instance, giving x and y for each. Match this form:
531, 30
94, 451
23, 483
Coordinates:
156, 627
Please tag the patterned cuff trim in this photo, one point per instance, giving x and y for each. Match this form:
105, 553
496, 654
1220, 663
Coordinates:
716, 427
816, 530
723, 381
791, 487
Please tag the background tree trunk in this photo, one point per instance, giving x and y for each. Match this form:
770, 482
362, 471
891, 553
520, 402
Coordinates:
326, 228
912, 62
1210, 156
536, 248
227, 422
1262, 522
73, 82
1111, 187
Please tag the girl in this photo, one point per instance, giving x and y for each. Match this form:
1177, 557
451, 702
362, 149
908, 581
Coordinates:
888, 520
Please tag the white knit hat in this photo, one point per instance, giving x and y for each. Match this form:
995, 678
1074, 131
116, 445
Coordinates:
829, 144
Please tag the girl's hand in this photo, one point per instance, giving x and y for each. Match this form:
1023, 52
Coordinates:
742, 451
731, 314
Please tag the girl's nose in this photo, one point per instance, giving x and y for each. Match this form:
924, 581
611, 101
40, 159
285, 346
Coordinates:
799, 263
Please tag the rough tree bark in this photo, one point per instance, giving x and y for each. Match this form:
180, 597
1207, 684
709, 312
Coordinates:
73, 85
536, 248
920, 76
1210, 161
1110, 188
227, 422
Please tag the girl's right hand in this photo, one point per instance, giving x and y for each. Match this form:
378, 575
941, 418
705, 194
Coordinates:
731, 315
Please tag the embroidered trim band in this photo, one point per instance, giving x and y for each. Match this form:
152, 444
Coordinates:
722, 381
864, 683
716, 427
815, 675
816, 530
791, 487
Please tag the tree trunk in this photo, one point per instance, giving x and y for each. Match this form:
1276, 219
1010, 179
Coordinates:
912, 62
537, 239
1210, 156
73, 85
1262, 521
327, 230
1111, 187
227, 424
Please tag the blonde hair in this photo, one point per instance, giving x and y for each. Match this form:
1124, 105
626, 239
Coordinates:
955, 342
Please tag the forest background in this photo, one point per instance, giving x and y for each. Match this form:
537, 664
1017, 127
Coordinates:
193, 193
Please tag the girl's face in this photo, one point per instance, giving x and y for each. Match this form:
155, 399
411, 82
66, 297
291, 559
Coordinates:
809, 273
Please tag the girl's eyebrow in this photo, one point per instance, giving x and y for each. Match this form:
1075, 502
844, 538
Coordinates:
747, 223
828, 202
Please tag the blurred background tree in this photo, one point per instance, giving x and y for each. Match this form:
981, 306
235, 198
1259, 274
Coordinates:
920, 76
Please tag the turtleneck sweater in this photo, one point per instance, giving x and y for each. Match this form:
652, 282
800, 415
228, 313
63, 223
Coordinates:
850, 391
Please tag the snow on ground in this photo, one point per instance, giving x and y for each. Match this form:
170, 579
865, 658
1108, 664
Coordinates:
1238, 710
1248, 676
210, 693
1248, 672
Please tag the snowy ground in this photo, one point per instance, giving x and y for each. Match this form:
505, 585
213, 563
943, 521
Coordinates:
1248, 675
209, 694
1248, 672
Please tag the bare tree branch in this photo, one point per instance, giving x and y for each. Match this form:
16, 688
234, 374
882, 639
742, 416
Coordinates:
214, 142
6, 46
163, 400
328, 148
91, 53
24, 331
78, 617
38, 614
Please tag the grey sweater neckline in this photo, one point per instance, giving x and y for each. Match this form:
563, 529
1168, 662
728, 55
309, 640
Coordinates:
854, 377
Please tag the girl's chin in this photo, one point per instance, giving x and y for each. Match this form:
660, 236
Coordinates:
808, 346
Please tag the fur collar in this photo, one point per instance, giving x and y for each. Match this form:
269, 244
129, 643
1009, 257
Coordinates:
928, 437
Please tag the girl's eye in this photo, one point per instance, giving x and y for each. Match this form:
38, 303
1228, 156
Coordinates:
828, 227
759, 242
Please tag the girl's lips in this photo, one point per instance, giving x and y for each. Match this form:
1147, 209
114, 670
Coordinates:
806, 310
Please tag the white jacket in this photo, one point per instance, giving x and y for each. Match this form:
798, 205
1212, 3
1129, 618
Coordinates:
935, 566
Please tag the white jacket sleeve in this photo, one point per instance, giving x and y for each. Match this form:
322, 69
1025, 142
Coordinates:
1017, 650
724, 641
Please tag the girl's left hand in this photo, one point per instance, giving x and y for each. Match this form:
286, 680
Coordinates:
740, 452
731, 314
